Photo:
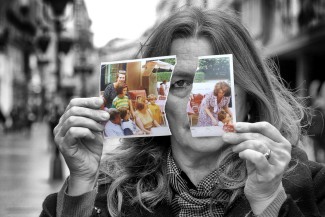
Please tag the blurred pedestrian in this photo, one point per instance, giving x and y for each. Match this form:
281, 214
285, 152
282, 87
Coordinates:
317, 127
2, 121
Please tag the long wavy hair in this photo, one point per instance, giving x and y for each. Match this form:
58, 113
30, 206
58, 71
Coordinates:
136, 169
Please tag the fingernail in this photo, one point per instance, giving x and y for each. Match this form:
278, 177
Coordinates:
238, 126
106, 115
226, 137
99, 101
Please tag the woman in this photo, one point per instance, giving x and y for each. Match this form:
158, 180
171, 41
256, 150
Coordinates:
240, 174
110, 90
122, 100
144, 118
213, 103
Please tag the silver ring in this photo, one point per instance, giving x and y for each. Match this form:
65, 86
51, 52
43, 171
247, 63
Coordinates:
267, 155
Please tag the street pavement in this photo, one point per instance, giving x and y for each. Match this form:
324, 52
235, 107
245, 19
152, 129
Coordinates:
25, 162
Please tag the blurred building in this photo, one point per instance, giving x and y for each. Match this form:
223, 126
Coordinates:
292, 32
19, 24
46, 52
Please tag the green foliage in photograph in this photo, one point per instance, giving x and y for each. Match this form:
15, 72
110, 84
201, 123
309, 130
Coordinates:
199, 77
163, 76
171, 61
215, 68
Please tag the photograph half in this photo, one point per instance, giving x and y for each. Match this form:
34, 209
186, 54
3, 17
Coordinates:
211, 107
135, 94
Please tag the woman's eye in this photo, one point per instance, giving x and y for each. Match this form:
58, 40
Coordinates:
182, 83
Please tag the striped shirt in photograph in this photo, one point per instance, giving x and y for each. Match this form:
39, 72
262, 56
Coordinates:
120, 102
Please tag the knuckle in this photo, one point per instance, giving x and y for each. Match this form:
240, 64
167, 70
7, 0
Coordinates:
264, 125
260, 146
62, 118
74, 110
260, 157
55, 130
254, 135
71, 132
56, 140
71, 120
73, 102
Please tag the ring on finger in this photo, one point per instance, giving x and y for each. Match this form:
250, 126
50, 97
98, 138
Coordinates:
267, 155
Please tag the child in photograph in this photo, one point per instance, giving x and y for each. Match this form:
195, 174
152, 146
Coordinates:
155, 109
128, 126
113, 126
121, 100
226, 119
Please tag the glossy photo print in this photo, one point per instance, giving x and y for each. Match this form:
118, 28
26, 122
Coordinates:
135, 94
211, 107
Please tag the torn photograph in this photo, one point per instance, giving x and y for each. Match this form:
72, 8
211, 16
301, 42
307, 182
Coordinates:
135, 94
211, 107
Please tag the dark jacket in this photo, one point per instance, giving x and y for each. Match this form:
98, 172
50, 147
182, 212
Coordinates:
305, 188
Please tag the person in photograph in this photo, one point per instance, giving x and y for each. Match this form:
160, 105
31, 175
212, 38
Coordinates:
128, 126
259, 170
122, 100
113, 127
224, 117
144, 118
163, 89
226, 120
155, 109
213, 103
110, 90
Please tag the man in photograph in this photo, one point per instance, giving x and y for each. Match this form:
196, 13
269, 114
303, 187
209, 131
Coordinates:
110, 90
113, 126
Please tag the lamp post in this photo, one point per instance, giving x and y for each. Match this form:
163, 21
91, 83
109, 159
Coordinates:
42, 43
58, 7
83, 70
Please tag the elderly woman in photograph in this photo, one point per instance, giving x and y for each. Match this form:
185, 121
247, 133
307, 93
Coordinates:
213, 103
257, 170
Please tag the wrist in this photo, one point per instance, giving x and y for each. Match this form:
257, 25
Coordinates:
78, 186
258, 205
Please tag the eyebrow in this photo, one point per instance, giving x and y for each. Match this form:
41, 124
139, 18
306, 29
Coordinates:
182, 74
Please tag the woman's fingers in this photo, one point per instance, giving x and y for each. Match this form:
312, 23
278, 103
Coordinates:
251, 144
93, 102
263, 128
97, 115
257, 159
237, 138
72, 136
76, 121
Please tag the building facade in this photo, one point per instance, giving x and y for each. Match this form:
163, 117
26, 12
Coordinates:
43, 53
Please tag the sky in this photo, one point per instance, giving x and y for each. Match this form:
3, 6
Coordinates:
120, 18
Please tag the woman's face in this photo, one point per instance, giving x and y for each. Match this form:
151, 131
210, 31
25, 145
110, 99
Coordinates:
187, 52
121, 78
220, 93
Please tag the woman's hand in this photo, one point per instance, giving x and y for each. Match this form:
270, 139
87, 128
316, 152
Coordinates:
79, 139
214, 122
252, 141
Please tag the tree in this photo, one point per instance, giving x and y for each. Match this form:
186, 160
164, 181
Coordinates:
215, 67
171, 61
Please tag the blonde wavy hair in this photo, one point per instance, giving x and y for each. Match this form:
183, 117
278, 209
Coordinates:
136, 169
